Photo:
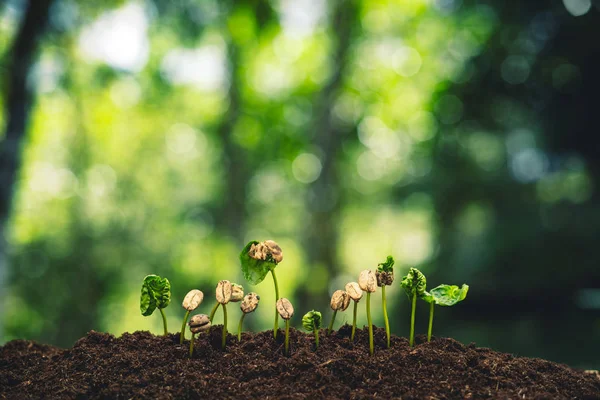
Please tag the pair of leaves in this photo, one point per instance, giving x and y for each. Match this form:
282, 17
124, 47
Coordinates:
312, 320
387, 266
156, 293
446, 295
414, 282
254, 270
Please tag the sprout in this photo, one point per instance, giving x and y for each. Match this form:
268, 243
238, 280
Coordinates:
191, 301
414, 284
312, 322
286, 310
443, 295
385, 277
156, 293
247, 306
340, 300
368, 283
198, 323
258, 259
224, 293
355, 293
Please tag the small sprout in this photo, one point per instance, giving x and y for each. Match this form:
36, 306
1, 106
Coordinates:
355, 293
237, 293
368, 283
223, 293
156, 293
340, 300
286, 310
190, 302
257, 260
414, 284
443, 295
198, 323
385, 277
248, 305
312, 322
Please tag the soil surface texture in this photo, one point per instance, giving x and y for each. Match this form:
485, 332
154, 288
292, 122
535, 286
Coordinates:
142, 365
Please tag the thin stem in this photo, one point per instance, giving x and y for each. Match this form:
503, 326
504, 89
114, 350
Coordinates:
192, 345
316, 331
182, 336
354, 321
287, 337
412, 319
164, 317
331, 323
213, 311
276, 325
430, 322
385, 316
224, 336
371, 348
240, 327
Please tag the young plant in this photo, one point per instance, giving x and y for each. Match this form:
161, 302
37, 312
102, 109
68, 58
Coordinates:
258, 259
443, 295
312, 322
237, 294
414, 284
355, 293
198, 323
190, 302
286, 310
223, 293
385, 277
247, 306
340, 300
156, 293
368, 283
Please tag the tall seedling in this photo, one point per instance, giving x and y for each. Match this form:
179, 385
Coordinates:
385, 277
414, 284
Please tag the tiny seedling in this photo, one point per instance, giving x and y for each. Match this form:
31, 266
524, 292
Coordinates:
443, 295
248, 305
340, 300
368, 283
237, 294
385, 277
223, 294
258, 259
312, 323
156, 293
286, 310
190, 302
414, 284
198, 323
355, 293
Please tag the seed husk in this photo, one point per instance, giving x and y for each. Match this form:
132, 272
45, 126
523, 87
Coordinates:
285, 308
192, 300
224, 291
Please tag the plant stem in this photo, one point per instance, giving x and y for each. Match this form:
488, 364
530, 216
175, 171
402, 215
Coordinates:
430, 322
385, 316
354, 321
224, 336
240, 327
276, 326
287, 337
412, 319
182, 336
192, 346
213, 311
331, 323
371, 349
164, 317
316, 331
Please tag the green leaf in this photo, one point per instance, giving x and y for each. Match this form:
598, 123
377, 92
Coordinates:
387, 266
413, 282
254, 270
312, 320
449, 295
156, 293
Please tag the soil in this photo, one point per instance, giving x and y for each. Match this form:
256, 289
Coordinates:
142, 365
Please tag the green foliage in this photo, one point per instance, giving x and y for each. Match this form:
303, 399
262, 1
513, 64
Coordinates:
446, 295
312, 320
387, 266
255, 270
413, 282
156, 293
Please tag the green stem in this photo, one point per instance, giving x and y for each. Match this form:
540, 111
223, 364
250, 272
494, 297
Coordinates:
287, 337
182, 336
240, 327
371, 348
224, 336
164, 317
213, 311
192, 346
412, 319
385, 316
430, 322
316, 331
276, 325
331, 323
354, 321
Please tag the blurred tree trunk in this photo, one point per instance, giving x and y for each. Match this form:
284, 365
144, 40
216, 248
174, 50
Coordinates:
18, 100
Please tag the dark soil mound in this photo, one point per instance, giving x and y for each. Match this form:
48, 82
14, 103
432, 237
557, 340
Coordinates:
141, 365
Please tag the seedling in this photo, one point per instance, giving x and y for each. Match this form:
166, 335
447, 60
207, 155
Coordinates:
286, 310
223, 293
198, 323
190, 302
237, 294
443, 295
258, 259
355, 293
368, 283
156, 293
414, 284
385, 277
312, 322
340, 300
248, 305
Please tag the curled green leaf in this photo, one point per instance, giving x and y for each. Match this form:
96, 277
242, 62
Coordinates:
448, 295
312, 320
254, 269
387, 266
156, 293
414, 282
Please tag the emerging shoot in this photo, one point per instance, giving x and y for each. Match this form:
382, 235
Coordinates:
312, 322
258, 259
156, 293
443, 295
198, 323
355, 293
190, 302
340, 300
414, 284
368, 283
385, 277
224, 293
248, 305
286, 310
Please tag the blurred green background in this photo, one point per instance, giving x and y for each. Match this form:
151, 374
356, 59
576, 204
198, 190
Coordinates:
159, 136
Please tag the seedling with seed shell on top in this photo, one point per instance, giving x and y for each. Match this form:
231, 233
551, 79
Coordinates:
368, 282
